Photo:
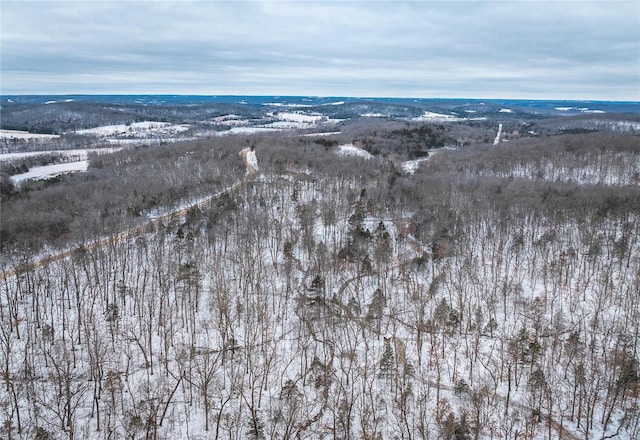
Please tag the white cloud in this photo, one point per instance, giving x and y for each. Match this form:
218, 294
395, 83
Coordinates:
536, 49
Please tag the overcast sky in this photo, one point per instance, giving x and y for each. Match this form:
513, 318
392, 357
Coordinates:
467, 49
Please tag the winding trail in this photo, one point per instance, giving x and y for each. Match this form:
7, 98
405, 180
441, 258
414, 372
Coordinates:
252, 171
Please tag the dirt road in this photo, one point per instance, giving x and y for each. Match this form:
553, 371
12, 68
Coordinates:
252, 172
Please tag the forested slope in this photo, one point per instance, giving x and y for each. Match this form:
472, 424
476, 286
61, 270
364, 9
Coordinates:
493, 294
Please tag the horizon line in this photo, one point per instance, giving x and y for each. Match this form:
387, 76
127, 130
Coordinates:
2, 95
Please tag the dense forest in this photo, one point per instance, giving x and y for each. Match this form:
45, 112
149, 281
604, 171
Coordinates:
493, 294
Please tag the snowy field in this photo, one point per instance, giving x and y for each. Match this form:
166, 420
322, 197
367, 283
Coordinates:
17, 134
49, 171
352, 150
75, 160
136, 129
437, 117
72, 154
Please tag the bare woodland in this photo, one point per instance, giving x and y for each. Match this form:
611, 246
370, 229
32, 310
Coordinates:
494, 294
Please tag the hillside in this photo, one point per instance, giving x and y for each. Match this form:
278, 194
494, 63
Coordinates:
476, 292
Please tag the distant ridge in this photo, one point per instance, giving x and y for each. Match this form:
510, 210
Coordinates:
542, 107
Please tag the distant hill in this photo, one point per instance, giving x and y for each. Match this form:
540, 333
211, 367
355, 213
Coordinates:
58, 114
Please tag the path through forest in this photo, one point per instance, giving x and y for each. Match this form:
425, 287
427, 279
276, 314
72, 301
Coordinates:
250, 162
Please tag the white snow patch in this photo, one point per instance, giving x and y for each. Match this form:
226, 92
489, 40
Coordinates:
564, 109
49, 171
137, 129
506, 110
228, 120
80, 153
146, 141
250, 157
18, 134
284, 104
299, 117
248, 130
411, 166
287, 125
432, 116
328, 133
230, 117
352, 150
497, 139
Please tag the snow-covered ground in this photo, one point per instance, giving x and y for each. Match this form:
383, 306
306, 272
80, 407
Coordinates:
250, 158
324, 133
287, 105
74, 154
300, 117
75, 160
437, 117
292, 120
352, 150
496, 141
247, 130
411, 166
48, 171
311, 309
17, 134
136, 129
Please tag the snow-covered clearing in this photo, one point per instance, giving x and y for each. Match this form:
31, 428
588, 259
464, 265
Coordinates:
352, 150
288, 125
300, 117
411, 166
48, 171
75, 153
248, 130
324, 133
284, 104
17, 134
148, 141
136, 129
229, 120
437, 117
